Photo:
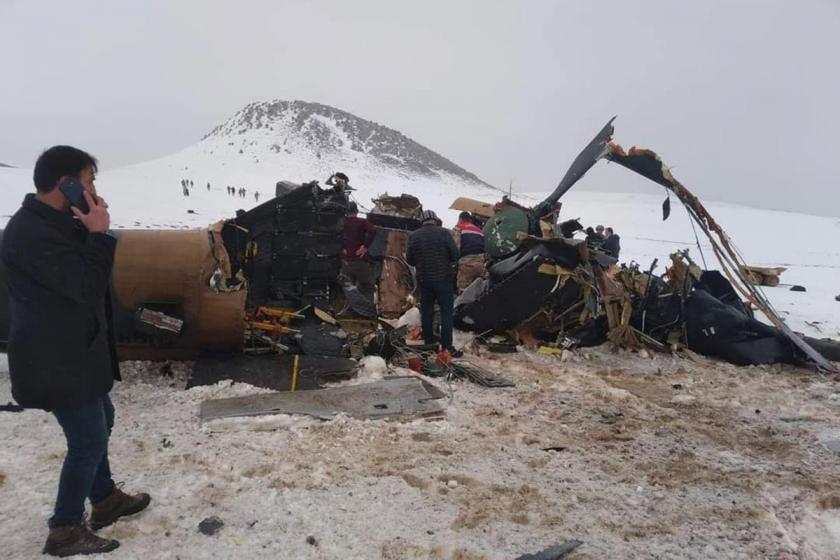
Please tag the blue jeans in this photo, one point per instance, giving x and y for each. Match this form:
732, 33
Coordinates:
86, 472
444, 294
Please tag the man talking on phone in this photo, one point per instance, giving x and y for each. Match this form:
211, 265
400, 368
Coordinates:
61, 347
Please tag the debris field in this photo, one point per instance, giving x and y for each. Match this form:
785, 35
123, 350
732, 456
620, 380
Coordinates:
636, 455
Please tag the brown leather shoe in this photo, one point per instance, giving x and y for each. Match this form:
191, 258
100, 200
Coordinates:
118, 504
76, 539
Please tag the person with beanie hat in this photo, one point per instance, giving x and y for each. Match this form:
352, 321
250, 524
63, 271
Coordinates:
432, 251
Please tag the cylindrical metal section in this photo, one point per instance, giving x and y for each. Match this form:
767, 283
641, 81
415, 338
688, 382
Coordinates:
174, 268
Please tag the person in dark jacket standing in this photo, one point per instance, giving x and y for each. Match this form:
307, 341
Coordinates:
61, 347
612, 242
432, 251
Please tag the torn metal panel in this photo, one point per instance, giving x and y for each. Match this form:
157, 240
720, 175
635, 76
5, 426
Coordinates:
398, 397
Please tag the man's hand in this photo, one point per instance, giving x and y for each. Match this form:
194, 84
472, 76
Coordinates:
97, 220
361, 251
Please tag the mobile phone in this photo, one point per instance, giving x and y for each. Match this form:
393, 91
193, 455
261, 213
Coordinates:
73, 191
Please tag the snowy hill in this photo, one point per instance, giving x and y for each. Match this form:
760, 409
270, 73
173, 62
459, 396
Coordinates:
303, 130
259, 145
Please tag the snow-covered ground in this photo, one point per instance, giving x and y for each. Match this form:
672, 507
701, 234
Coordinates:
639, 457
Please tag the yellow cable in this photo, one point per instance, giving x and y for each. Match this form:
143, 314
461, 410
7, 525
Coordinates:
295, 364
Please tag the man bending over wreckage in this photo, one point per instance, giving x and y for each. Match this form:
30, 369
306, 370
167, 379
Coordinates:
432, 251
61, 348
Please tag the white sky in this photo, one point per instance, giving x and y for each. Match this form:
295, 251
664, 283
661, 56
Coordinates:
741, 97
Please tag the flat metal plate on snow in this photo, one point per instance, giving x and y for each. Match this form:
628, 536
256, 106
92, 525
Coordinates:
397, 397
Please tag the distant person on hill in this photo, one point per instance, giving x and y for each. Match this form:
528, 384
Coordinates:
208, 187
612, 243
256, 196
61, 346
432, 251
470, 242
355, 261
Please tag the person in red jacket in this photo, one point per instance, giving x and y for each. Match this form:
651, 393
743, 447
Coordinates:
470, 242
355, 261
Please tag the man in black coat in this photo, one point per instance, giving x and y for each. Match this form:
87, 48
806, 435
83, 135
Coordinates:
433, 252
612, 243
61, 347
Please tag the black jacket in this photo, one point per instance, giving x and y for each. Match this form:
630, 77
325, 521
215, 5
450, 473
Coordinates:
432, 251
612, 245
61, 345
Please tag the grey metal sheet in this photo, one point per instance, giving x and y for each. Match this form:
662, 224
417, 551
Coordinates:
390, 398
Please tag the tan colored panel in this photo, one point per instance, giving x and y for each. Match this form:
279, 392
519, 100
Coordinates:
483, 209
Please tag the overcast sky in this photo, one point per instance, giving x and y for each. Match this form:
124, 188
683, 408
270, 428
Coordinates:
740, 97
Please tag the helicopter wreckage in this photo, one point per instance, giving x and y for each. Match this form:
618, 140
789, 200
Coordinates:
262, 293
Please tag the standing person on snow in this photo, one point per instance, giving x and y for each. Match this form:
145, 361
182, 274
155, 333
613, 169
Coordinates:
470, 240
61, 347
432, 251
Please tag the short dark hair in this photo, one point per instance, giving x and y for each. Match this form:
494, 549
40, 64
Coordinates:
57, 162
609, 229
465, 216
